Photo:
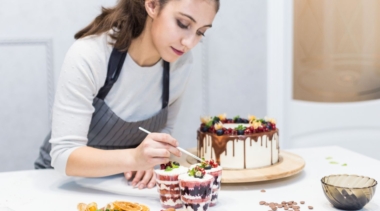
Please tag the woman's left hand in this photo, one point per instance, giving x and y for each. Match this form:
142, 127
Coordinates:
142, 178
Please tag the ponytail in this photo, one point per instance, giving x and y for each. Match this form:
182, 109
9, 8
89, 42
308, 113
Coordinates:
126, 19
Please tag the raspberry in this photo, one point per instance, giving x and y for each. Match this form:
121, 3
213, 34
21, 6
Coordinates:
162, 166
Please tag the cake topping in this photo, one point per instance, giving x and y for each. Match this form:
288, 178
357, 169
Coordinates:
271, 120
256, 124
197, 172
251, 118
222, 117
206, 119
208, 164
219, 125
170, 166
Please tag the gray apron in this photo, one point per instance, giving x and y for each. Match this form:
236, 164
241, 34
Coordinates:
107, 130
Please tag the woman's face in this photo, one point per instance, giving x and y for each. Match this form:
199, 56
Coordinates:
180, 25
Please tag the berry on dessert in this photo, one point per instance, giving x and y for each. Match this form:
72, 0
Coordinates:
197, 172
208, 164
169, 166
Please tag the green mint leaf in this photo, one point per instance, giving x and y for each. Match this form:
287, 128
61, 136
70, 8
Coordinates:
328, 158
209, 124
236, 117
333, 162
345, 164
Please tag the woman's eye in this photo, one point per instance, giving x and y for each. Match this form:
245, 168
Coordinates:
181, 25
200, 33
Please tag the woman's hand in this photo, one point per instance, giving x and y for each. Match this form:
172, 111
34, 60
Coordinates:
155, 150
142, 178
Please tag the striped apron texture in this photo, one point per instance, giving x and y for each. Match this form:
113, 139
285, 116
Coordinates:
107, 130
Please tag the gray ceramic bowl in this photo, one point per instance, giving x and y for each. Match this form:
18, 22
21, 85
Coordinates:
348, 192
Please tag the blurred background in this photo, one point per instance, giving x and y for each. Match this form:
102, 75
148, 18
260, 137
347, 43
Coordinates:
314, 65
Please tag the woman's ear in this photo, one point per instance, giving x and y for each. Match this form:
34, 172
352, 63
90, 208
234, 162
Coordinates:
152, 8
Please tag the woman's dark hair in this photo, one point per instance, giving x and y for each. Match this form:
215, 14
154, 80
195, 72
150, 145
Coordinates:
127, 19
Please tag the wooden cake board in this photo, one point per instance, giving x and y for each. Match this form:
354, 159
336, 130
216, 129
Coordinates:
289, 164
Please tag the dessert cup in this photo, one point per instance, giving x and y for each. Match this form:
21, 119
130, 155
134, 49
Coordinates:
168, 187
196, 192
216, 185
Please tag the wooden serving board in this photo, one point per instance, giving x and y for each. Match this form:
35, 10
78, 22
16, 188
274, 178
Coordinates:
289, 164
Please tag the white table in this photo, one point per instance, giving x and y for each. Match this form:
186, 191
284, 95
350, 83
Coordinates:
47, 190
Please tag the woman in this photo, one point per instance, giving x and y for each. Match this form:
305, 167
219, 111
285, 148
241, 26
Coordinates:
115, 78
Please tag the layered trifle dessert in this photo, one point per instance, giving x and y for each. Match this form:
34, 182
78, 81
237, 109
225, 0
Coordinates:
211, 167
238, 143
196, 189
168, 184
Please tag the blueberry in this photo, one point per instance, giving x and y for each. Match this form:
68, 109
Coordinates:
219, 132
240, 132
208, 167
176, 163
245, 121
204, 129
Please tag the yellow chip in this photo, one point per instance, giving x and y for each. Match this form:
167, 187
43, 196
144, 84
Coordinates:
92, 207
127, 206
82, 207
144, 208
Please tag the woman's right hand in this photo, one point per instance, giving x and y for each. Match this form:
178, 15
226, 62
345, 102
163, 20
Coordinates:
155, 150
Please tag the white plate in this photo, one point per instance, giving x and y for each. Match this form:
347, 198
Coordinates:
115, 184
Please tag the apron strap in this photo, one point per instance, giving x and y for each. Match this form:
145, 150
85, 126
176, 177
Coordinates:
115, 65
166, 82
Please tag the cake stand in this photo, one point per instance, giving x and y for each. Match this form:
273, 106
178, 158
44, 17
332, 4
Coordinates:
289, 164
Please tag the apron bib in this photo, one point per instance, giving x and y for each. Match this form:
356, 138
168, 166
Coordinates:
107, 130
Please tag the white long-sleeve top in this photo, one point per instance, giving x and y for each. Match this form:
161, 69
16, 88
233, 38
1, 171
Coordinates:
137, 94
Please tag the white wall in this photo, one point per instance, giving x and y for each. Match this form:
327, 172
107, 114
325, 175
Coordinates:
229, 74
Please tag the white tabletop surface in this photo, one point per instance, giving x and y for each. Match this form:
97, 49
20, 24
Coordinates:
47, 190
